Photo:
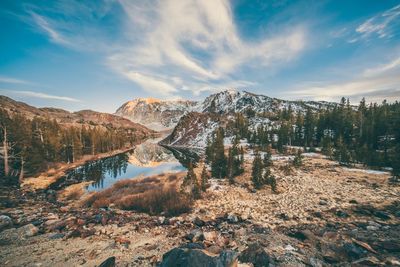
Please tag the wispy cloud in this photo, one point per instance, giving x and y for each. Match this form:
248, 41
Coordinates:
38, 95
377, 83
72, 23
196, 41
384, 25
53, 34
11, 80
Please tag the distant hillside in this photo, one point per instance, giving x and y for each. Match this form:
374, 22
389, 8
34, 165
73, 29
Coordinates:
83, 117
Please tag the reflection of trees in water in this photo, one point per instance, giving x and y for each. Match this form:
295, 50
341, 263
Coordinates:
185, 156
97, 170
114, 167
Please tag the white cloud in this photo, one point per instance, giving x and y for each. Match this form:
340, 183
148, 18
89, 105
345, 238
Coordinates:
53, 34
377, 83
151, 84
4, 79
39, 95
196, 42
381, 24
390, 66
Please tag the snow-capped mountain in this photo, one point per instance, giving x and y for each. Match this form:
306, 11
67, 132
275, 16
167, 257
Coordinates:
218, 109
156, 114
195, 121
236, 101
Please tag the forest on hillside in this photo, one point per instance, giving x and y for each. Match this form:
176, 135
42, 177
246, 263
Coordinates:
363, 134
28, 147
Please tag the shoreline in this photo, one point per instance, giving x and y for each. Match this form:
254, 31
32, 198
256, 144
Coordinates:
45, 179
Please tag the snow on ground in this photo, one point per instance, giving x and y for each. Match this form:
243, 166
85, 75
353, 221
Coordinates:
369, 171
314, 155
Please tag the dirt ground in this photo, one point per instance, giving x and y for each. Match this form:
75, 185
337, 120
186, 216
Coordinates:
320, 196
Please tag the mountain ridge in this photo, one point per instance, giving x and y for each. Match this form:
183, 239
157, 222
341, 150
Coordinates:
165, 114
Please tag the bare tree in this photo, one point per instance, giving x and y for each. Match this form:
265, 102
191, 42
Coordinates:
4, 151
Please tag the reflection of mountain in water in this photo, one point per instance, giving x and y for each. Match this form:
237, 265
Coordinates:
150, 155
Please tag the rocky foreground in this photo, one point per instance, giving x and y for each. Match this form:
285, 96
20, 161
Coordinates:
322, 215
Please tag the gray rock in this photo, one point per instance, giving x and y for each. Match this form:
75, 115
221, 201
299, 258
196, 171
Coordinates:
372, 228
314, 262
56, 236
29, 230
198, 222
232, 218
110, 262
197, 258
5, 222
256, 255
17, 234
195, 235
323, 202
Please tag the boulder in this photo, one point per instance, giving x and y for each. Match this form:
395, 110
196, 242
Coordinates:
17, 234
197, 258
195, 235
368, 261
5, 222
390, 245
110, 262
232, 218
210, 236
198, 222
29, 230
256, 255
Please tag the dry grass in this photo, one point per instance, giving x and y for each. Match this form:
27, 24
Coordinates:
148, 195
156, 201
73, 192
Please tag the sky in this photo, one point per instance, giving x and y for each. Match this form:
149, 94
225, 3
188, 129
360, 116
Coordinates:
99, 54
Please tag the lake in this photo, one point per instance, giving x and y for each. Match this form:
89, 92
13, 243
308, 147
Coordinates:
146, 159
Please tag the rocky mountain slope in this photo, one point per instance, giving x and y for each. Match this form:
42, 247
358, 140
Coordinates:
236, 101
193, 120
160, 115
156, 114
192, 130
83, 117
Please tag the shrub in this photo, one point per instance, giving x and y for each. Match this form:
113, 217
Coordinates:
144, 195
157, 201
298, 159
271, 180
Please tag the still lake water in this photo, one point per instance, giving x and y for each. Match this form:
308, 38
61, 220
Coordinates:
146, 159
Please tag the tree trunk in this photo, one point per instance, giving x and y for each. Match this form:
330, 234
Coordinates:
5, 147
21, 173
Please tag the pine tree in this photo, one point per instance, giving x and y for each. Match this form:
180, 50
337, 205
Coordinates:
190, 184
342, 153
230, 166
267, 160
204, 179
327, 148
209, 150
272, 183
298, 159
218, 165
256, 173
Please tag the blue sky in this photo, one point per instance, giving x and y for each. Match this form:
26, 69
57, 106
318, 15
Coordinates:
99, 54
